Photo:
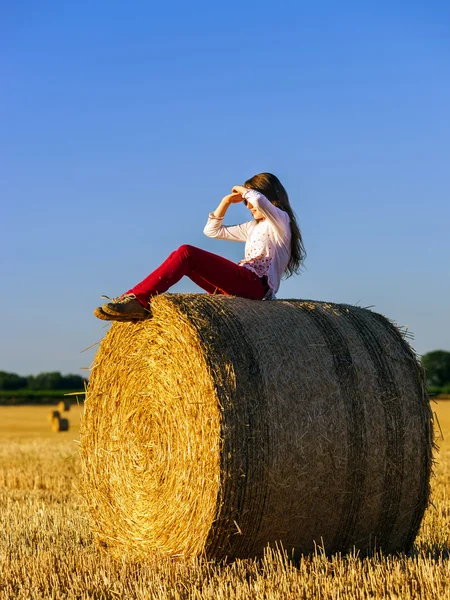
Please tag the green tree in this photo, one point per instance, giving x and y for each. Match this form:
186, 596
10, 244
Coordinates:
11, 381
72, 382
56, 381
437, 367
45, 381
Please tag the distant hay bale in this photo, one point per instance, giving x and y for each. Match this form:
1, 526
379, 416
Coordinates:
223, 424
59, 424
53, 414
64, 406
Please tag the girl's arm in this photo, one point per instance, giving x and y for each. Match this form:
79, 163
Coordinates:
224, 205
278, 218
214, 227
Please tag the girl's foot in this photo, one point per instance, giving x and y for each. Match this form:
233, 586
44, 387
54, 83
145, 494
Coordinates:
101, 314
126, 306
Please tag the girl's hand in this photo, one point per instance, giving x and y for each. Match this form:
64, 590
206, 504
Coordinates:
225, 204
233, 198
239, 189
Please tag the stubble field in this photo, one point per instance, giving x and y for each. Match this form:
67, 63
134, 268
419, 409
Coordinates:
47, 551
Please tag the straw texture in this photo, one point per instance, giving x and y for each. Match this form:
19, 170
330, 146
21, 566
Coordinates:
223, 424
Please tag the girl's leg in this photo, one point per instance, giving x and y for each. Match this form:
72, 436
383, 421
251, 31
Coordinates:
213, 273
205, 285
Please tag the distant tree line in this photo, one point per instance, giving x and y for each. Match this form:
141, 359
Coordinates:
436, 364
437, 370
44, 381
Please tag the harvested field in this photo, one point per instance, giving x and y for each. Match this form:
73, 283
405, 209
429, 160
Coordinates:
47, 550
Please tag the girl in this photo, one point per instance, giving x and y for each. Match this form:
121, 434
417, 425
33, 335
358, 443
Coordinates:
273, 247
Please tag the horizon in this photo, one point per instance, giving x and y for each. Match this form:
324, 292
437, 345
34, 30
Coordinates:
86, 375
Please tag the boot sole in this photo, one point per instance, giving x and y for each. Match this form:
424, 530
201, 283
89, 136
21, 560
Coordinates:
104, 316
110, 311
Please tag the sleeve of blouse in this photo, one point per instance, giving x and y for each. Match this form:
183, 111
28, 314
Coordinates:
278, 218
234, 233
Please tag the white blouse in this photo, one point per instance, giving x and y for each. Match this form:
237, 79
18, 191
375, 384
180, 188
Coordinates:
267, 242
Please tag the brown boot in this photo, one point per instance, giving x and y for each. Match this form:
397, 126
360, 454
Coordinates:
101, 314
127, 306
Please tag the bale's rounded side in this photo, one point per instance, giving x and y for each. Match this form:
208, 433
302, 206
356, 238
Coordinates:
222, 424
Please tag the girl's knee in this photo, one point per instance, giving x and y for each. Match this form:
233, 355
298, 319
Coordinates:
186, 249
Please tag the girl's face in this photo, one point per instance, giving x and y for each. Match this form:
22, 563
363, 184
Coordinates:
255, 212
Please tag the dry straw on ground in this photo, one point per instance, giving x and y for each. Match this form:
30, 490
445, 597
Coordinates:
222, 424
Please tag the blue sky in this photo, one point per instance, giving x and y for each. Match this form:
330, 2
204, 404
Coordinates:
124, 124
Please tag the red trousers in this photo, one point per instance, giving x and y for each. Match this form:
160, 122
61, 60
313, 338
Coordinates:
211, 272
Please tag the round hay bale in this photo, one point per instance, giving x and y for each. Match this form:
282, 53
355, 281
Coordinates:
64, 406
222, 425
53, 414
59, 424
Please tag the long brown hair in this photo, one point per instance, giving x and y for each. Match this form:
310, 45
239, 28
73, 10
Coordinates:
271, 187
